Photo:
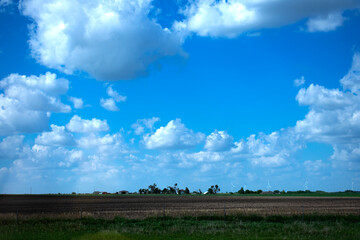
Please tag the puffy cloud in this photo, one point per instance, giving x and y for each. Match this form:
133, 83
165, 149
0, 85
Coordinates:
351, 81
271, 161
110, 103
78, 102
73, 156
142, 124
10, 147
77, 124
272, 150
110, 40
206, 156
115, 95
57, 137
37, 93
325, 23
173, 136
27, 102
334, 117
106, 147
314, 167
219, 141
346, 156
300, 81
320, 97
233, 17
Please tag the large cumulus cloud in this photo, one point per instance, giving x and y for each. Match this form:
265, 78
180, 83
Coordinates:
27, 102
110, 40
233, 17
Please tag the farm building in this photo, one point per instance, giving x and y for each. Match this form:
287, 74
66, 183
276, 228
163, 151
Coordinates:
123, 192
96, 192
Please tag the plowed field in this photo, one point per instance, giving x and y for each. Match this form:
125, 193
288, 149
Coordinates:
142, 206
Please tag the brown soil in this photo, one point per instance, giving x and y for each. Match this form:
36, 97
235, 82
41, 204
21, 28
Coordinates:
142, 206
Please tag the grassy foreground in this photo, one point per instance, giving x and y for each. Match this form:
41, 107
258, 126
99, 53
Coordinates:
234, 227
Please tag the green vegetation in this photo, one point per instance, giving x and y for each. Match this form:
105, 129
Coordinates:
210, 227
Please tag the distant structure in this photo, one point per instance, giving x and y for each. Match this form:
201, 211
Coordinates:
181, 191
123, 192
96, 192
306, 185
268, 186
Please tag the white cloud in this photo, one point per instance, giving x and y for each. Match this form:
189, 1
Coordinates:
351, 81
346, 156
300, 81
27, 102
109, 104
142, 124
206, 156
10, 147
314, 167
271, 161
73, 156
325, 23
320, 97
334, 116
77, 124
110, 40
173, 136
106, 147
219, 141
115, 95
272, 150
57, 137
233, 17
78, 102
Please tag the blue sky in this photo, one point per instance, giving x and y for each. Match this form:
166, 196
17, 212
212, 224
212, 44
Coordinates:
112, 95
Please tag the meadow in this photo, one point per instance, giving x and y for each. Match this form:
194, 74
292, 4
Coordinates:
206, 227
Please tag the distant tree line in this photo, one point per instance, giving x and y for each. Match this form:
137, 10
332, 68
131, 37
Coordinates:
153, 189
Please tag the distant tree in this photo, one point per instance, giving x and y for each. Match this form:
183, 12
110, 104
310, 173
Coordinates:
283, 192
200, 192
259, 191
165, 191
153, 189
143, 191
276, 191
217, 189
171, 190
213, 189
187, 191
241, 191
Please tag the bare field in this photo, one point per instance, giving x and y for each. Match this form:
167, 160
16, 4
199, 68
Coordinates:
143, 206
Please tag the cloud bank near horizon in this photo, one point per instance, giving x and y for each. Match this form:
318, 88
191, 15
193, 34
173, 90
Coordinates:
83, 148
